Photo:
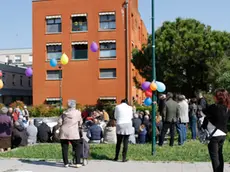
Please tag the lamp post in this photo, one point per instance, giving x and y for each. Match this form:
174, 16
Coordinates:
154, 79
53, 63
60, 86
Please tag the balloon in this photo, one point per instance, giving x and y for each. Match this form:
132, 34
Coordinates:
0, 73
53, 62
148, 93
148, 101
145, 85
160, 87
64, 59
153, 86
1, 84
29, 72
94, 47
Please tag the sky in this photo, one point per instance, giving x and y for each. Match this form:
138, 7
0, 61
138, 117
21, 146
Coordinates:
16, 17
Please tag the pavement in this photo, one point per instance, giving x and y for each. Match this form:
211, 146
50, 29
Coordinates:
17, 165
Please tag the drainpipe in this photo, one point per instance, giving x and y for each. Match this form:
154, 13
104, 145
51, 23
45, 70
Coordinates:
127, 51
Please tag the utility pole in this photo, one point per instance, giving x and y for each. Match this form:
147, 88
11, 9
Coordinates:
154, 79
126, 6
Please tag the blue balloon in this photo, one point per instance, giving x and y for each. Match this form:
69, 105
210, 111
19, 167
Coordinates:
53, 62
148, 101
160, 87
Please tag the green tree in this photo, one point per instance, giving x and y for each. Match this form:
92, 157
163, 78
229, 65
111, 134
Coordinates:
186, 52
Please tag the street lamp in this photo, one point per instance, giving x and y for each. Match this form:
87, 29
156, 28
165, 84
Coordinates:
53, 63
154, 79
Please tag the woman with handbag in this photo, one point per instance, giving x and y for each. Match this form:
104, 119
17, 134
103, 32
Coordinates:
216, 121
69, 123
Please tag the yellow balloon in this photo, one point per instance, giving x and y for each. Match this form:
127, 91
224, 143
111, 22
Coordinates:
1, 84
64, 59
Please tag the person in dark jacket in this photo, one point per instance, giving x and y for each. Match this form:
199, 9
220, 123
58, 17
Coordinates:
170, 116
136, 123
142, 134
5, 130
95, 133
55, 134
44, 133
216, 122
19, 136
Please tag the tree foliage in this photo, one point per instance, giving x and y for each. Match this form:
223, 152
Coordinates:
188, 56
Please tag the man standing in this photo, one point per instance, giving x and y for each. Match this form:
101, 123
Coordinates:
170, 115
183, 119
123, 115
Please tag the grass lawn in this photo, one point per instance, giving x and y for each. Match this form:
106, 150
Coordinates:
190, 152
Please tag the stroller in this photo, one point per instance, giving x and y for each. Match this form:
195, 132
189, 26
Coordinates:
84, 152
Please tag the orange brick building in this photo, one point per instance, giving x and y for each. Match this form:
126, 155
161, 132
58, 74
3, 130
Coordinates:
70, 26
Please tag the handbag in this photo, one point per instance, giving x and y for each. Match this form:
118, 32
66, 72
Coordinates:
205, 136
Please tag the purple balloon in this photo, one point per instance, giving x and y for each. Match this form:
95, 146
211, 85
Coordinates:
29, 72
145, 85
94, 47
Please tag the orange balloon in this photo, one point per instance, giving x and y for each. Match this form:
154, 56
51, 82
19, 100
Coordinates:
153, 86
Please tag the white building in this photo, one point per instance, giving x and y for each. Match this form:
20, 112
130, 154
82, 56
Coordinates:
19, 57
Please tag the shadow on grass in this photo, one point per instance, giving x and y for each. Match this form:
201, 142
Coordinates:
42, 162
96, 156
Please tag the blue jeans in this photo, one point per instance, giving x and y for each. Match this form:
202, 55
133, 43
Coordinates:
181, 129
193, 126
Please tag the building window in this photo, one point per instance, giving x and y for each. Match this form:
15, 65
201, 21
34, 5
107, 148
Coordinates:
54, 51
107, 21
29, 82
30, 58
53, 74
107, 49
79, 22
21, 80
13, 80
79, 50
108, 73
17, 59
53, 24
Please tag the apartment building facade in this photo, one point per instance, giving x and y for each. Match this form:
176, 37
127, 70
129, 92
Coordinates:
16, 85
18, 56
61, 26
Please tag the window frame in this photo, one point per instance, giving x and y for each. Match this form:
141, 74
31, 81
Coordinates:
76, 16
17, 58
54, 22
54, 79
73, 50
107, 57
100, 70
107, 21
53, 45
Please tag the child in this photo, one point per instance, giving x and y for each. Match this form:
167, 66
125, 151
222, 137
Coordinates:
142, 134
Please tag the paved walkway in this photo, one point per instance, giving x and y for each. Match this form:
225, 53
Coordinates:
104, 166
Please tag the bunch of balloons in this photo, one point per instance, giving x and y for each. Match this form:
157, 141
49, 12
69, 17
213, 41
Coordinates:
1, 82
64, 60
149, 88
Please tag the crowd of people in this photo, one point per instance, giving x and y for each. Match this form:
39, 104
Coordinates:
175, 112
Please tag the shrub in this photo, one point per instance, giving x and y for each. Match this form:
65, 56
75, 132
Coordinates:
44, 111
17, 103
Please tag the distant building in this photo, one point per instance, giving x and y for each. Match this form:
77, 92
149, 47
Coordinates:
19, 57
16, 85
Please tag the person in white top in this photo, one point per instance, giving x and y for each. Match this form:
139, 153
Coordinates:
123, 115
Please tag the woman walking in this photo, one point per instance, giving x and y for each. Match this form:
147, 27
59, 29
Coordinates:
69, 124
216, 120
